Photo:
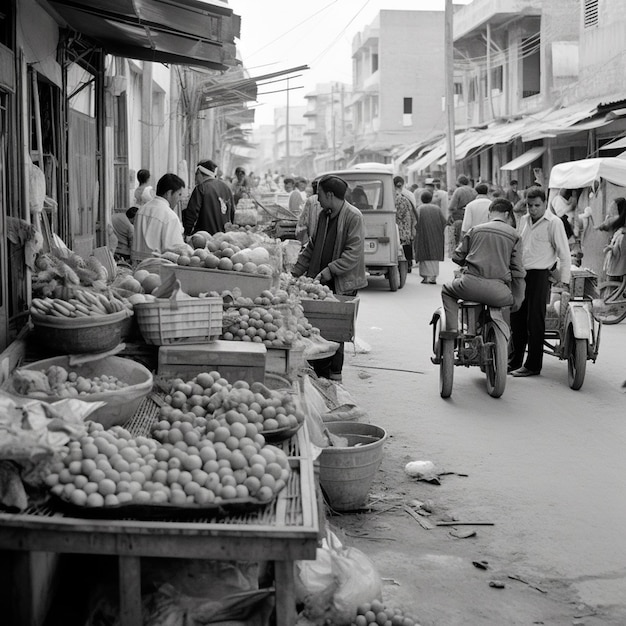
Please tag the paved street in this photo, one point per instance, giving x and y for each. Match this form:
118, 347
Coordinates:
544, 463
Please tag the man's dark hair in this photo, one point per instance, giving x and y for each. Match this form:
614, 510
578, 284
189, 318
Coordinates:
462, 180
143, 176
208, 164
426, 196
169, 182
501, 205
333, 184
513, 182
289, 180
239, 170
398, 181
536, 192
482, 188
130, 213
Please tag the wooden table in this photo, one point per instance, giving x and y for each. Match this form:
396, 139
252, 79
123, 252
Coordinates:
282, 532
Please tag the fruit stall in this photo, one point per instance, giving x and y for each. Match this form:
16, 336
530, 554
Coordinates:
156, 411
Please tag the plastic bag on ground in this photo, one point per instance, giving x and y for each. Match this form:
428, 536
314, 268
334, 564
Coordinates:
332, 586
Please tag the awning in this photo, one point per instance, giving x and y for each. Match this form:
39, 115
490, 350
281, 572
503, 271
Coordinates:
575, 174
559, 122
190, 32
618, 144
429, 158
524, 159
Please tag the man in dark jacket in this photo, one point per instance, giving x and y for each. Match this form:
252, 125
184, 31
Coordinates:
334, 255
211, 205
463, 194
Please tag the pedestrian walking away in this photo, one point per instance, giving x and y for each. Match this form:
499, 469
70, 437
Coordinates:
405, 219
477, 211
491, 257
430, 229
463, 194
544, 248
123, 226
211, 205
334, 255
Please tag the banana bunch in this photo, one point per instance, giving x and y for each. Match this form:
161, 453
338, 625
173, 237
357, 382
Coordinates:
84, 304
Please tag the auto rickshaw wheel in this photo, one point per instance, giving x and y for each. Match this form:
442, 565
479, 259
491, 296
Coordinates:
496, 367
403, 269
446, 368
393, 276
577, 363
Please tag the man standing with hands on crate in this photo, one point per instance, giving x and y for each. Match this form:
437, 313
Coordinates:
334, 255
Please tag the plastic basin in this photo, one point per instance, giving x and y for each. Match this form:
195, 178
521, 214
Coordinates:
121, 404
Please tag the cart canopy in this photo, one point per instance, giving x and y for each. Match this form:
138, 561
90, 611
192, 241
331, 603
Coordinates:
575, 174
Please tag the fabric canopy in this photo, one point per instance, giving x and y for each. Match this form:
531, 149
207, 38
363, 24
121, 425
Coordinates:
524, 159
575, 174
192, 32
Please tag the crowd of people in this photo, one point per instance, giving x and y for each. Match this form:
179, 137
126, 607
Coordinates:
512, 244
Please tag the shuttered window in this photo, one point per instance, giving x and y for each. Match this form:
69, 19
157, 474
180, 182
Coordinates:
590, 17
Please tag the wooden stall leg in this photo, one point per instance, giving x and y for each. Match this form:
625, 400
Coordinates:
130, 590
285, 593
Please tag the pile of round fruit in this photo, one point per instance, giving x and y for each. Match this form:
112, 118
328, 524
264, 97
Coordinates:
107, 468
259, 325
205, 251
306, 287
209, 401
376, 613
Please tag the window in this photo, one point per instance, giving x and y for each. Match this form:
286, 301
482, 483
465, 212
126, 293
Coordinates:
365, 195
374, 62
531, 67
590, 16
407, 117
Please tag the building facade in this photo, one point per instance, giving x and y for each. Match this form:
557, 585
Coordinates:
398, 82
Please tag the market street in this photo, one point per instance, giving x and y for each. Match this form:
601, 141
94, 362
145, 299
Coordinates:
545, 464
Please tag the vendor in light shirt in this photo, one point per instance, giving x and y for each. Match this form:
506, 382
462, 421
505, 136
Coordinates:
157, 227
544, 242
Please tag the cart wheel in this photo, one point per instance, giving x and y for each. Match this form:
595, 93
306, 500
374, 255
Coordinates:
577, 363
446, 368
495, 368
403, 269
394, 278
611, 293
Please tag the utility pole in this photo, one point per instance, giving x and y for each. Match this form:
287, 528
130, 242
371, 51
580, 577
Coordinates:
332, 121
449, 69
287, 156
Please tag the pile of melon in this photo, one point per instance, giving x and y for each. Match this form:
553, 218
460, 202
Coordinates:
142, 281
208, 252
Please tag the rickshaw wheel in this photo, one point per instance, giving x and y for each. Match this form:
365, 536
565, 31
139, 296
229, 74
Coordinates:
446, 368
393, 275
495, 369
577, 363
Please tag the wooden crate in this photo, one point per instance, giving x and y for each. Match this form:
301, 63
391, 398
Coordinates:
197, 280
234, 360
284, 361
335, 319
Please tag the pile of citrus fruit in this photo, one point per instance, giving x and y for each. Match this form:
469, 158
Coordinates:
376, 613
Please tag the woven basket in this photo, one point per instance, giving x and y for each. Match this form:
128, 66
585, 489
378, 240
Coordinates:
180, 319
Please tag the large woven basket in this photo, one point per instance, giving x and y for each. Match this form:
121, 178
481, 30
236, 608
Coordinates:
180, 319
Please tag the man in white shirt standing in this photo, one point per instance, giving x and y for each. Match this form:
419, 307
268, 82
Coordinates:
543, 243
477, 211
157, 227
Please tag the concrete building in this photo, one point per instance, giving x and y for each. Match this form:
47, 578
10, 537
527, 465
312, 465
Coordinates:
398, 82
329, 126
289, 127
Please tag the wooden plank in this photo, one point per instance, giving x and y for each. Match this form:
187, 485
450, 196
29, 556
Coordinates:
422, 521
130, 590
285, 593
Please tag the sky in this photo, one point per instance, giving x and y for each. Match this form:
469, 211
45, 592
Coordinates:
279, 34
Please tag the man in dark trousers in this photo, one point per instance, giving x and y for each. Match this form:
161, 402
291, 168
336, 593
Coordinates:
211, 205
334, 255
